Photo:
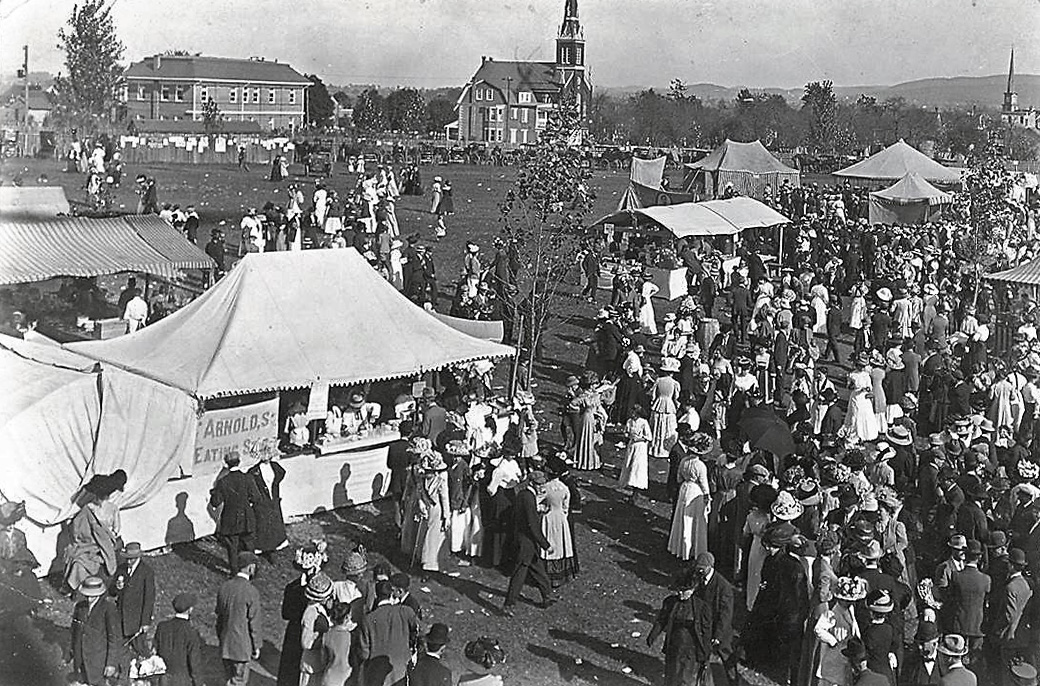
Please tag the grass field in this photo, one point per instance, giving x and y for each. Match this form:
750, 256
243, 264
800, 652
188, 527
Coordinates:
595, 635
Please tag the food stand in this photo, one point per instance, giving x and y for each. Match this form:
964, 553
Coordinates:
647, 238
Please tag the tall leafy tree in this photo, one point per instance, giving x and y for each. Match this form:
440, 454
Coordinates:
93, 55
212, 119
819, 102
370, 111
320, 106
542, 219
405, 110
440, 111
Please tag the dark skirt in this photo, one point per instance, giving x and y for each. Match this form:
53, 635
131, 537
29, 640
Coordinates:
270, 527
562, 571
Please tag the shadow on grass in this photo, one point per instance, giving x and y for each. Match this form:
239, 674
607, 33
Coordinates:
642, 664
587, 672
473, 590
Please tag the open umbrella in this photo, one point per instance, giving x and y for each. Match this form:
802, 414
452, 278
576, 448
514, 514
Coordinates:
766, 431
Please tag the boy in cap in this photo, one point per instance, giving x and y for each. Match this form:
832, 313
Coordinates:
178, 643
428, 670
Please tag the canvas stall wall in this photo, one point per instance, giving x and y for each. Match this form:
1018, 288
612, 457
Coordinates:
882, 212
750, 184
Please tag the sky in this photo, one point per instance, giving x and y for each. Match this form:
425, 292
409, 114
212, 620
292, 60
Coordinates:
430, 43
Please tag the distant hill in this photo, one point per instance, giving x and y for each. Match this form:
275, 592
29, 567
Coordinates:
940, 92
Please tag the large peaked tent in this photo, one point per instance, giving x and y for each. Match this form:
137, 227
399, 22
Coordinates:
748, 166
646, 187
898, 160
289, 320
911, 200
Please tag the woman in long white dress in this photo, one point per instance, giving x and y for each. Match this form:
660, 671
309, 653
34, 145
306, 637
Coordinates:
635, 472
647, 318
860, 419
689, 534
434, 512
663, 409
762, 497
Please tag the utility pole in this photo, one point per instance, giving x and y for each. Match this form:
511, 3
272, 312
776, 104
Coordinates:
25, 113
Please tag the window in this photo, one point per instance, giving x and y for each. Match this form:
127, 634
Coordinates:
178, 93
478, 94
524, 115
256, 95
525, 98
492, 114
124, 93
203, 94
270, 96
542, 118
292, 98
164, 93
141, 93
232, 95
513, 113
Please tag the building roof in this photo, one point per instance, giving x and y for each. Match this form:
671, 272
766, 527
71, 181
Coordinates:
1027, 274
199, 68
188, 127
537, 77
260, 328
912, 188
37, 250
896, 161
33, 202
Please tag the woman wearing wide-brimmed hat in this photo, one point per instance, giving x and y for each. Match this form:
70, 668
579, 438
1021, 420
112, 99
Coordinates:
833, 630
315, 622
689, 531
434, 512
647, 318
663, 408
758, 518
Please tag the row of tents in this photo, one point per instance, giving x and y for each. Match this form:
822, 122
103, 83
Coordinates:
749, 168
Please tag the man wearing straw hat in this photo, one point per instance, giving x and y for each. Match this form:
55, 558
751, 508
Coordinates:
952, 649
96, 634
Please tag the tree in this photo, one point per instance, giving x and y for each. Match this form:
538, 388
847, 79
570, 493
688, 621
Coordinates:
991, 214
212, 119
440, 112
93, 53
677, 91
405, 110
542, 218
320, 106
370, 112
819, 102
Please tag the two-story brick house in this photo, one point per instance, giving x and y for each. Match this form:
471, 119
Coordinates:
510, 102
176, 87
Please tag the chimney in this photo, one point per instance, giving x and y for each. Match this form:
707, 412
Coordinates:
156, 62
483, 59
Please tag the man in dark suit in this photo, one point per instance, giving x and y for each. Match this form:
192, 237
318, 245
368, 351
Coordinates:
686, 624
968, 590
134, 590
952, 649
178, 643
529, 541
428, 670
741, 304
856, 652
384, 640
676, 454
96, 635
1005, 635
608, 345
237, 492
922, 667
238, 620
717, 594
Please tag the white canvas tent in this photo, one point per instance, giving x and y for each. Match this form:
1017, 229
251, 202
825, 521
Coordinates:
898, 160
911, 200
710, 218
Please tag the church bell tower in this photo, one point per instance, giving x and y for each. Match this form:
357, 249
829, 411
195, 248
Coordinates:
570, 57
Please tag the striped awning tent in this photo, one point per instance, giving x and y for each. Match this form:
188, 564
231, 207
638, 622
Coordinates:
1027, 274
37, 250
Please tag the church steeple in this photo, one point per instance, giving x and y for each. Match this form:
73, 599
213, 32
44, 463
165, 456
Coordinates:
570, 44
1010, 96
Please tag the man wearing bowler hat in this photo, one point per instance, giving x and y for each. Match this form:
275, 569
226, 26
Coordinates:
968, 590
96, 634
952, 649
429, 670
530, 541
178, 643
717, 595
1006, 634
922, 668
856, 653
134, 589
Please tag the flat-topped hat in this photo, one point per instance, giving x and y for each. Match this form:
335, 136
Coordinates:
1023, 674
899, 435
92, 587
132, 551
958, 542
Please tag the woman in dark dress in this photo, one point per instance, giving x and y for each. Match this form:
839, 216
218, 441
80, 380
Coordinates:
270, 526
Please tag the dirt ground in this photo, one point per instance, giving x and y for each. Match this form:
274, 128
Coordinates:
594, 635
